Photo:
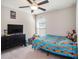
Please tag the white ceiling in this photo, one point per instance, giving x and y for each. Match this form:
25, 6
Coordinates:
52, 5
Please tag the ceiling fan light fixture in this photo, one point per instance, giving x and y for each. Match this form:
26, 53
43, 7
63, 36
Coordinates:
34, 7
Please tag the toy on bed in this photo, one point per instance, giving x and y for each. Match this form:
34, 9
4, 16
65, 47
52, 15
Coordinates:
69, 35
35, 36
72, 36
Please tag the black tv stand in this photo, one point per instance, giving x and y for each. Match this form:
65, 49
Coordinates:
11, 41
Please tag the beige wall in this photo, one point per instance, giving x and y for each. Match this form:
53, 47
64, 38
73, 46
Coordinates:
59, 22
21, 18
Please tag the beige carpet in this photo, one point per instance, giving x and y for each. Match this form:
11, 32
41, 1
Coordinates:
26, 53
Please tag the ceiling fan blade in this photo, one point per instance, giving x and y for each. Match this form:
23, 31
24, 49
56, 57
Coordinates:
41, 8
44, 2
32, 11
24, 6
33, 0
29, 1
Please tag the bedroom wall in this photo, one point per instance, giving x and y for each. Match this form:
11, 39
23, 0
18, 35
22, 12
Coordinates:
21, 18
59, 22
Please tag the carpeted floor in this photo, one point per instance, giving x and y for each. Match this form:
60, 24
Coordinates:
27, 53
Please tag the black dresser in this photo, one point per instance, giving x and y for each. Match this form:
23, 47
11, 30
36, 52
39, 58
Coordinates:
12, 41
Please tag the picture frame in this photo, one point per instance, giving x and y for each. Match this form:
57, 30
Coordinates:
12, 14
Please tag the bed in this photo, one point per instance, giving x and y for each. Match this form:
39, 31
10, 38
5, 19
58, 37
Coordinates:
57, 45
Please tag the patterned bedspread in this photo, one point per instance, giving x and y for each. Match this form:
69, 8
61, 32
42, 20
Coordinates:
56, 44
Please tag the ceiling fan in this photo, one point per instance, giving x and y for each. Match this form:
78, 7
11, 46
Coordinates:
35, 6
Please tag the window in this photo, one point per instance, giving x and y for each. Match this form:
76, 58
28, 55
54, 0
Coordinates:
41, 26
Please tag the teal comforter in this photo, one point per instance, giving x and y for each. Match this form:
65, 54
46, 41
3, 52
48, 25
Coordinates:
56, 44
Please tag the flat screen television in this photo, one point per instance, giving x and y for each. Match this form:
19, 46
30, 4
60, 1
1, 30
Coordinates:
14, 28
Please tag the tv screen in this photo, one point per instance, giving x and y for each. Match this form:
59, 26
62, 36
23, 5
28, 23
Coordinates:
13, 28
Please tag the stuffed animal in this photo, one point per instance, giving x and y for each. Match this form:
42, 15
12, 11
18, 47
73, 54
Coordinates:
35, 36
72, 36
69, 35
